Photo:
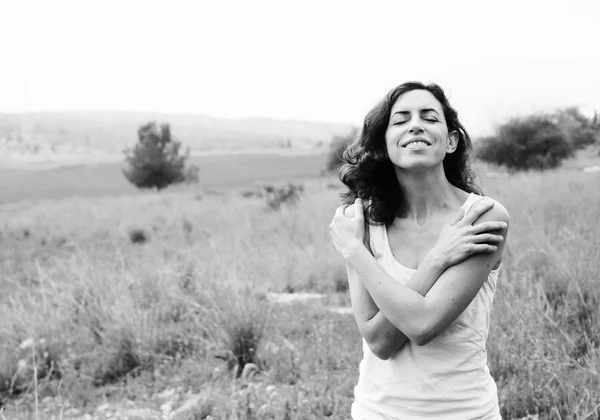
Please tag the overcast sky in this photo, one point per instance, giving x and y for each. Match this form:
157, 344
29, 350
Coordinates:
310, 60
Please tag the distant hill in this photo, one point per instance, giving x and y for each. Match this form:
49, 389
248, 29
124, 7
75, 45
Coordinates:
108, 132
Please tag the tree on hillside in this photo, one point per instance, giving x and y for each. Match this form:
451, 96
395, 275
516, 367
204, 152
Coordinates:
532, 142
540, 141
156, 161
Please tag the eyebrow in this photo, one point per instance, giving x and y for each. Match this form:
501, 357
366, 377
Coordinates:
422, 111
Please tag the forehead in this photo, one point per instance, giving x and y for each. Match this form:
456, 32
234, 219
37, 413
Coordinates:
416, 100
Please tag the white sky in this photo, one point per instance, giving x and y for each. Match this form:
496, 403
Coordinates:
311, 60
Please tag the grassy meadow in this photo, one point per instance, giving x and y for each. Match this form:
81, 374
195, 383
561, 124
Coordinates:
144, 305
106, 179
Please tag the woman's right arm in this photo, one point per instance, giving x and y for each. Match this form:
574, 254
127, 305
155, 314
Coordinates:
383, 338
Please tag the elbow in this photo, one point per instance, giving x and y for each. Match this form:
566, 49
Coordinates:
380, 351
382, 355
423, 336
421, 340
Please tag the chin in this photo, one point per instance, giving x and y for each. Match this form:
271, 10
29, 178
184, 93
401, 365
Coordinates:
417, 163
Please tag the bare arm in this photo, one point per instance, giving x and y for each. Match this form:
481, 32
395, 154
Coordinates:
422, 318
383, 338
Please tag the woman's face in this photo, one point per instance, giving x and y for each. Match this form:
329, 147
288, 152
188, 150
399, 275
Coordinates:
417, 135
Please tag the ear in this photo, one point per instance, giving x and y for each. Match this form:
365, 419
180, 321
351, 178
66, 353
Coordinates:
452, 142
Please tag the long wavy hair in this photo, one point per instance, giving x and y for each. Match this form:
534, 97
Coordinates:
369, 173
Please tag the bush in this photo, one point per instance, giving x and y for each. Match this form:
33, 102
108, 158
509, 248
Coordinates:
138, 236
156, 162
534, 142
338, 144
276, 196
241, 322
580, 130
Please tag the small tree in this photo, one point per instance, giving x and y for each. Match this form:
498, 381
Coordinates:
155, 161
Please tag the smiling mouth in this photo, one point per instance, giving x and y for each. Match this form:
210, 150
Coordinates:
416, 144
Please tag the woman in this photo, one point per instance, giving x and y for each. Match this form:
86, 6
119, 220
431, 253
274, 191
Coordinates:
422, 279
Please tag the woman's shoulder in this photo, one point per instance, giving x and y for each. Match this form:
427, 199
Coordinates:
498, 212
350, 212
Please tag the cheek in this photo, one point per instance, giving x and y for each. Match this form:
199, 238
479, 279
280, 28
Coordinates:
443, 135
391, 138
389, 146
389, 142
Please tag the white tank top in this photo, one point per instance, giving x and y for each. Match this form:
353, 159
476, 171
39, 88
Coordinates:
448, 378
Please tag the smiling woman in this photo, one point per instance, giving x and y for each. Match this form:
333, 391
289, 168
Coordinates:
422, 261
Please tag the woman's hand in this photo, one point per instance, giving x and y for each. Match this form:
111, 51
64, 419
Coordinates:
460, 239
347, 230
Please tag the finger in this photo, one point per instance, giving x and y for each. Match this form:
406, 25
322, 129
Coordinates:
335, 239
488, 238
458, 217
478, 209
333, 236
339, 212
483, 248
359, 211
488, 227
349, 211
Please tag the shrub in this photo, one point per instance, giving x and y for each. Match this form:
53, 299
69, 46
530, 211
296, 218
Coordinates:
533, 142
241, 322
124, 359
138, 236
338, 144
156, 162
580, 130
286, 194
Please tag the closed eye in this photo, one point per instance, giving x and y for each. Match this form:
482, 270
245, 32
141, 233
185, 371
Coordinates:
428, 119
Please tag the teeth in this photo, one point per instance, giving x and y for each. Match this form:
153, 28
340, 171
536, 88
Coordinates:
416, 145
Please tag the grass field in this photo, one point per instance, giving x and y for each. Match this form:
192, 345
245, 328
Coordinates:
216, 172
141, 305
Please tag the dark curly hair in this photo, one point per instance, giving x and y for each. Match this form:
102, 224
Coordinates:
369, 173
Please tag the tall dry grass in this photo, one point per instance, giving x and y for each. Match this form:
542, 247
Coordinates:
101, 308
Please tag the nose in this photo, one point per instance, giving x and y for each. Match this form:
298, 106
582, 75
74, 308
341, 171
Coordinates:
415, 127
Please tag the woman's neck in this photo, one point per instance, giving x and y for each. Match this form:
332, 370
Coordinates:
426, 193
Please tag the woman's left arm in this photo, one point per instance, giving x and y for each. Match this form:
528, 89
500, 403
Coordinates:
422, 318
